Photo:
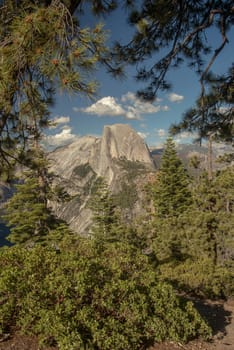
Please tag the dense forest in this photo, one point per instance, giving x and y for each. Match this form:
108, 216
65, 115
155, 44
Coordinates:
121, 287
127, 285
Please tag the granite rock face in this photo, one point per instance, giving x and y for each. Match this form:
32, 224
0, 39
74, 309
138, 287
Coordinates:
119, 156
118, 141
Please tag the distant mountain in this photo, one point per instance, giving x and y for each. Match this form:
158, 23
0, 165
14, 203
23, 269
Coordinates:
120, 156
187, 151
118, 141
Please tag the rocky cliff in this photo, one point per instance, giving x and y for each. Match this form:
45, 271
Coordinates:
120, 156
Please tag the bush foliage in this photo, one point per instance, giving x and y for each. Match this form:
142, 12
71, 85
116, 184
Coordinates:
78, 299
118, 289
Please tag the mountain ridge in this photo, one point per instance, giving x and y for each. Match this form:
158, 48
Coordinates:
119, 156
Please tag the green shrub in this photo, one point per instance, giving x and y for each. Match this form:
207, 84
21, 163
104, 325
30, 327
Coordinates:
79, 299
200, 277
127, 196
82, 170
132, 168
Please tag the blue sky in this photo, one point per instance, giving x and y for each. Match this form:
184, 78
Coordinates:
76, 116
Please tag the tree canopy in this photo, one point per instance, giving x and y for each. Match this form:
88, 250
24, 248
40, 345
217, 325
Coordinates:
42, 49
176, 31
212, 115
171, 190
169, 34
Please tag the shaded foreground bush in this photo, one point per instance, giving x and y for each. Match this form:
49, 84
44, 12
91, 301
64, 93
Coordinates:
78, 299
200, 277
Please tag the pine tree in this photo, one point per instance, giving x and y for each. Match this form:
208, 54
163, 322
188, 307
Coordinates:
171, 191
214, 216
212, 115
196, 249
42, 49
171, 33
107, 226
28, 215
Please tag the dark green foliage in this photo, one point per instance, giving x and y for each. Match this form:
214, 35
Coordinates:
60, 194
215, 202
82, 170
106, 219
80, 299
213, 114
196, 250
168, 34
192, 232
180, 28
29, 217
171, 190
132, 168
199, 277
127, 196
42, 49
26, 213
226, 158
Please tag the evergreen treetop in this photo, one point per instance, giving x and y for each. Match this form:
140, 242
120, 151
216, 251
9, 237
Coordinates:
171, 191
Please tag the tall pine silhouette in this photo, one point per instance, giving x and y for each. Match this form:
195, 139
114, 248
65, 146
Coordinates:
171, 191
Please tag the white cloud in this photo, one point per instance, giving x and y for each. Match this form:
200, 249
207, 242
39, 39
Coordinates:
132, 113
66, 127
105, 106
58, 120
129, 96
128, 107
175, 97
185, 137
138, 105
62, 138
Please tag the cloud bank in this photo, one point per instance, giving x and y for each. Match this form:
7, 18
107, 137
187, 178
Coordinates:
128, 107
172, 97
62, 138
62, 133
59, 120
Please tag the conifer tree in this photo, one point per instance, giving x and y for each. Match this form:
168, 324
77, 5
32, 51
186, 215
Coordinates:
212, 221
196, 250
168, 34
28, 215
171, 191
107, 225
212, 116
178, 29
42, 49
